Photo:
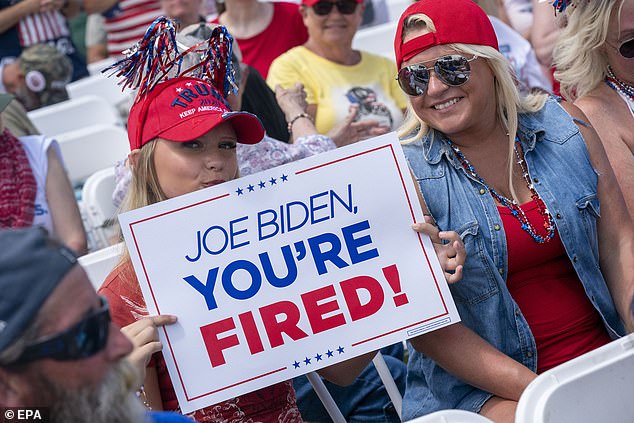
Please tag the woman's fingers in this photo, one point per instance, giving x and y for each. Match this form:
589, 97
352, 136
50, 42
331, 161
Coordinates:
455, 276
427, 228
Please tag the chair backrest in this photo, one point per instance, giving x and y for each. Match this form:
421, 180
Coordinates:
594, 387
98, 85
96, 67
90, 149
377, 39
451, 416
99, 264
74, 113
96, 200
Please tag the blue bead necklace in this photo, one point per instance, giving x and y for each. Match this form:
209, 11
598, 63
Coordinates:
516, 210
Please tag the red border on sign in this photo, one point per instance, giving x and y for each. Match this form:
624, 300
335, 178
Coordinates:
400, 173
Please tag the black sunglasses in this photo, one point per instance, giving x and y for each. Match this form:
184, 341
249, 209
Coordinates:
452, 69
345, 7
83, 340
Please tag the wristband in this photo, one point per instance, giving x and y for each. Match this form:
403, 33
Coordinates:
299, 116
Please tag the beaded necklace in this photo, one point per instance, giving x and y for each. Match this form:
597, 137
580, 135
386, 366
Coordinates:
516, 210
624, 89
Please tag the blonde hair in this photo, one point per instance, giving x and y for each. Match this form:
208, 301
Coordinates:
578, 55
507, 98
144, 187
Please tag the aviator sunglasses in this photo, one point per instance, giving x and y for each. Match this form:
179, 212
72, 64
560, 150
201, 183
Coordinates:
345, 7
453, 70
83, 340
626, 49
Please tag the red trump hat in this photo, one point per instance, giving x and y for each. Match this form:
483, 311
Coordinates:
456, 21
183, 109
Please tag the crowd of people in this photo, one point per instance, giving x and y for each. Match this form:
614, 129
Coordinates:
516, 118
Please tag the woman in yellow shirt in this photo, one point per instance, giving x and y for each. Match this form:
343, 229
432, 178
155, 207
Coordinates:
335, 76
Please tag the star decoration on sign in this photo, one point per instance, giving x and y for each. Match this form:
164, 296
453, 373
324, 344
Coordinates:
250, 188
273, 181
239, 191
318, 357
262, 184
340, 350
329, 353
284, 178
296, 365
307, 360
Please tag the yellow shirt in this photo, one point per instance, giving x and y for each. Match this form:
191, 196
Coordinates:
333, 87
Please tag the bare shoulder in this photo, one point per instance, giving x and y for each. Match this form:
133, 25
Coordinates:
609, 116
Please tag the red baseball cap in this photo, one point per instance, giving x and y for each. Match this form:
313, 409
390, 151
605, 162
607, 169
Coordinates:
183, 109
456, 21
312, 2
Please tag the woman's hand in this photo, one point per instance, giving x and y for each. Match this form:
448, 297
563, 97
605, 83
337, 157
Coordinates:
144, 336
448, 246
291, 101
348, 131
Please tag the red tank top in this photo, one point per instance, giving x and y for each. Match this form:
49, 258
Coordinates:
545, 286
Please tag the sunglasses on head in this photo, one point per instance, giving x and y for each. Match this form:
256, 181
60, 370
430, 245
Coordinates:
453, 70
83, 340
345, 7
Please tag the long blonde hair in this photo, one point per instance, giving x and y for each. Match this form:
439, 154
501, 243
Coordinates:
144, 187
507, 97
578, 55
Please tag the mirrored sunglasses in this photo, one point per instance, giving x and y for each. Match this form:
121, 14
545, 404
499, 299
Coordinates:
83, 340
345, 7
453, 70
627, 49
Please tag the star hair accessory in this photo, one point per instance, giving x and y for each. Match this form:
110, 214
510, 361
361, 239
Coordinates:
156, 58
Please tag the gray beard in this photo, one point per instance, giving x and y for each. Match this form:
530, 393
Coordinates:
114, 401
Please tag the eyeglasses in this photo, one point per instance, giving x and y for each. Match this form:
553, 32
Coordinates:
345, 7
83, 340
452, 69
626, 49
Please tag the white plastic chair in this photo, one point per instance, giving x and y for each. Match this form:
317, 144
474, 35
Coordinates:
377, 39
90, 149
452, 416
96, 67
96, 200
74, 113
99, 264
99, 85
595, 387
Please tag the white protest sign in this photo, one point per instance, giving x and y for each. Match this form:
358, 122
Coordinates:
287, 271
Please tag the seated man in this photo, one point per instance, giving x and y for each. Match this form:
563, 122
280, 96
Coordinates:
38, 77
58, 348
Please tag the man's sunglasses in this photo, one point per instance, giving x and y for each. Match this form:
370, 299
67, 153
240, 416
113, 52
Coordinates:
452, 69
83, 340
345, 7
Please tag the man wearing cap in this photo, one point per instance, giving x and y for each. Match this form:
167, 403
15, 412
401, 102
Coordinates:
38, 77
58, 348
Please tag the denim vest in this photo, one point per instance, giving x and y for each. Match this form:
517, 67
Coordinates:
561, 171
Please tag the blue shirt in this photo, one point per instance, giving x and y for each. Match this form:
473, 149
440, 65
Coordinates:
561, 171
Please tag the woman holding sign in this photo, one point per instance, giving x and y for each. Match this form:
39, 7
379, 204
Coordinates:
548, 274
183, 138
